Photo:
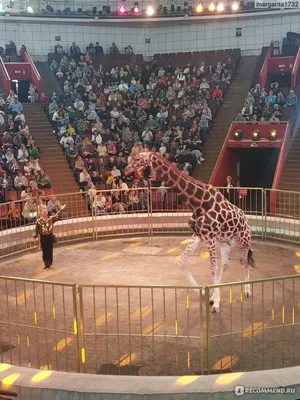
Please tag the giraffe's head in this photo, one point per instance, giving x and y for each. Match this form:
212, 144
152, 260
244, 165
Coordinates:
140, 161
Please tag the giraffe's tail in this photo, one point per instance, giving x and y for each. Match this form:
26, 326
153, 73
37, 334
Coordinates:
250, 258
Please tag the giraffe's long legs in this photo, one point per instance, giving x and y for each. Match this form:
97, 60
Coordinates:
225, 257
214, 272
244, 262
190, 250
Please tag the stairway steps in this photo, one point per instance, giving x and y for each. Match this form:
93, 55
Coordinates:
232, 104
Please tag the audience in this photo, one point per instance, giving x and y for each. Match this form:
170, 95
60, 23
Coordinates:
260, 106
109, 114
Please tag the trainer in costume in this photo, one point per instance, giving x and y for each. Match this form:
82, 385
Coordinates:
44, 228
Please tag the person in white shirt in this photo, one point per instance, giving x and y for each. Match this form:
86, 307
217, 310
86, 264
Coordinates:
99, 203
161, 72
123, 87
55, 116
123, 185
116, 173
204, 85
20, 117
65, 140
162, 149
96, 137
22, 154
79, 105
207, 112
114, 113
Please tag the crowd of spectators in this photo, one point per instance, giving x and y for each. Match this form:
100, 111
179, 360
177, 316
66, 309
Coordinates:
267, 106
21, 174
106, 116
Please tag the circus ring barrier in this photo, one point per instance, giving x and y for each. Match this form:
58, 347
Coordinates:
45, 324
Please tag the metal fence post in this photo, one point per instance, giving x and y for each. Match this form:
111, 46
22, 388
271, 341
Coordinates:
83, 351
150, 219
264, 214
74, 291
208, 342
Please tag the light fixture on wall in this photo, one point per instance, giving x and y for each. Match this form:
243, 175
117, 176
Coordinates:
136, 8
199, 8
238, 135
150, 11
273, 134
256, 135
1, 7
235, 6
211, 7
122, 9
30, 9
220, 7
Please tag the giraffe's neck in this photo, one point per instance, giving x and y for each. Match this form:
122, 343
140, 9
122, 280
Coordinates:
190, 190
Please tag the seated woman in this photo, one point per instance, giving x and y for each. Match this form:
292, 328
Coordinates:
84, 179
133, 201
26, 193
14, 215
29, 212
79, 164
43, 180
22, 154
99, 204
101, 150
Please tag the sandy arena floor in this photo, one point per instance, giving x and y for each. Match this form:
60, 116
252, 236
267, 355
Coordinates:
142, 330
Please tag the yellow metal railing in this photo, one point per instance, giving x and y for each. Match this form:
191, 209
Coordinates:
149, 330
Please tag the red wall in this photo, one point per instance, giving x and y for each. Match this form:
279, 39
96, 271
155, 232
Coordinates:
5, 76
264, 69
228, 166
19, 70
281, 64
295, 70
228, 158
35, 76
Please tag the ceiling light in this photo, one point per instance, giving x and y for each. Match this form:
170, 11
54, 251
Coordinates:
30, 10
122, 9
199, 8
150, 11
211, 7
136, 8
220, 7
235, 6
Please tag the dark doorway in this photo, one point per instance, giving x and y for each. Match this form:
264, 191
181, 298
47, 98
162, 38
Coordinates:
257, 166
23, 87
284, 80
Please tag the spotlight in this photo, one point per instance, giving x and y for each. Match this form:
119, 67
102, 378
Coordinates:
122, 9
256, 135
273, 134
199, 8
150, 11
234, 6
1, 7
220, 7
30, 10
211, 7
136, 9
238, 135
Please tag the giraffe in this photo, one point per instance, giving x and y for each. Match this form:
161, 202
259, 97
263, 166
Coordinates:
214, 219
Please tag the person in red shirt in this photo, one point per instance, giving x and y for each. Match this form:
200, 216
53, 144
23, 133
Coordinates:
44, 100
217, 94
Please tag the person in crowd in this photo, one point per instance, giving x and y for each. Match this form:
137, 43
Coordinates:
43, 180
